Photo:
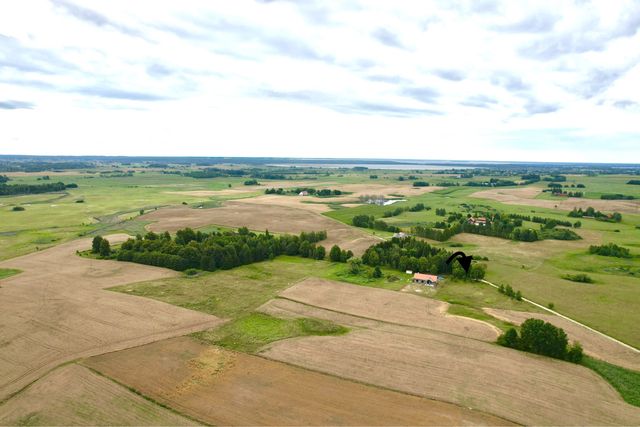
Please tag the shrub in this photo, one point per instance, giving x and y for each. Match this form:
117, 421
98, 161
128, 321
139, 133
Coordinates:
574, 353
191, 272
580, 277
17, 208
610, 249
509, 339
251, 182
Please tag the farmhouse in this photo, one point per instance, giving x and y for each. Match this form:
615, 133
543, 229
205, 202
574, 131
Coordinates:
425, 279
478, 221
400, 235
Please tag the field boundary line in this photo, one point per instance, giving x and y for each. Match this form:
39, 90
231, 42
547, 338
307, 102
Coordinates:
630, 347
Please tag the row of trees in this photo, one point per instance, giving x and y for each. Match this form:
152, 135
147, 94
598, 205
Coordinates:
397, 211
17, 189
325, 192
369, 221
591, 212
510, 292
616, 196
213, 251
540, 337
610, 249
416, 255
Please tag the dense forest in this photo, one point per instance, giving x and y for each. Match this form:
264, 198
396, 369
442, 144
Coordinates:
213, 251
19, 189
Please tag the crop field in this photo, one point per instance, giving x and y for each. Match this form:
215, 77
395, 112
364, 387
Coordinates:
227, 388
56, 310
73, 395
468, 372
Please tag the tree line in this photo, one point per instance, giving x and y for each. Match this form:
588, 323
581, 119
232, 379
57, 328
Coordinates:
325, 192
216, 250
591, 212
369, 221
416, 255
18, 189
505, 227
397, 211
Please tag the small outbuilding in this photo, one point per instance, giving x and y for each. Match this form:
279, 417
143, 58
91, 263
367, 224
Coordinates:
304, 193
425, 279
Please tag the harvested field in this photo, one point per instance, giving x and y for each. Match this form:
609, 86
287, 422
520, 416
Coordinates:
524, 388
279, 219
56, 310
593, 344
73, 395
225, 388
387, 306
526, 196
309, 204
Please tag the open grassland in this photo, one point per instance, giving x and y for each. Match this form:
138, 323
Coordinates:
107, 205
238, 292
73, 395
524, 388
593, 344
57, 310
220, 387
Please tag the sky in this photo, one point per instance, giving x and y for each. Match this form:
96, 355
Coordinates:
468, 80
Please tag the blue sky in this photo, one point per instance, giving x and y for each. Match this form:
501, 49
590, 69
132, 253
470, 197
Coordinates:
481, 79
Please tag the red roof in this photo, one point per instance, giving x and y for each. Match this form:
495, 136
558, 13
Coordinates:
425, 277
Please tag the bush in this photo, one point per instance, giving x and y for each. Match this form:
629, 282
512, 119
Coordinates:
574, 353
509, 339
610, 249
251, 182
191, 272
580, 277
17, 209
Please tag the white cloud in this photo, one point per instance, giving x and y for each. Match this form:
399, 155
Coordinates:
422, 79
